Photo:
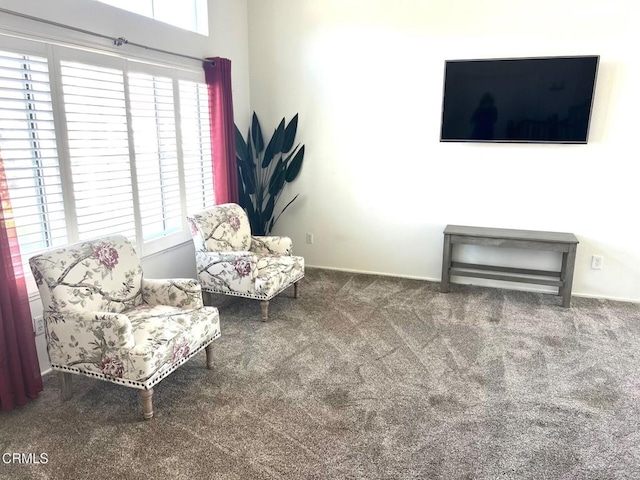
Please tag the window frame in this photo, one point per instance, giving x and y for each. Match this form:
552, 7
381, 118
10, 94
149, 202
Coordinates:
55, 54
199, 7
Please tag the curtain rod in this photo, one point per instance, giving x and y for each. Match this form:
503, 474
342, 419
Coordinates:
118, 42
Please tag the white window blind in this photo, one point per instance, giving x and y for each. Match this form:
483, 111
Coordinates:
156, 156
117, 147
196, 145
29, 151
98, 149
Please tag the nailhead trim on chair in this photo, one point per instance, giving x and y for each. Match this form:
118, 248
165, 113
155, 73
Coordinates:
256, 296
132, 383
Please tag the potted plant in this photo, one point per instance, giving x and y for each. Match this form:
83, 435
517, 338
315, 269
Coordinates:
264, 171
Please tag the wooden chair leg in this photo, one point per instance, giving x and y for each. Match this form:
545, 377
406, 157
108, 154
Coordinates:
209, 351
296, 292
66, 392
147, 403
265, 310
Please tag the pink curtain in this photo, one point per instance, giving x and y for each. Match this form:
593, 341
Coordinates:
217, 73
19, 370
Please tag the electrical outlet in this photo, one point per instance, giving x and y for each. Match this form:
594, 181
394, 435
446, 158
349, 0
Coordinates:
39, 325
310, 238
596, 262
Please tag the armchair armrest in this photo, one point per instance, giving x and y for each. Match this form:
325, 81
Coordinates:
177, 292
87, 336
271, 244
227, 271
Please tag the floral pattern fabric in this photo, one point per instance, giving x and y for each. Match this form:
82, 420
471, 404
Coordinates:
232, 261
227, 230
105, 320
183, 293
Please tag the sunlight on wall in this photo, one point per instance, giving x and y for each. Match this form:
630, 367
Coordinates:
367, 90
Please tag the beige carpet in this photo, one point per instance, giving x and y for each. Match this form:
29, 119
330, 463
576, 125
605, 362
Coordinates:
366, 377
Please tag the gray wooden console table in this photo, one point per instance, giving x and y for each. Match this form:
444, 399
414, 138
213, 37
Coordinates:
566, 243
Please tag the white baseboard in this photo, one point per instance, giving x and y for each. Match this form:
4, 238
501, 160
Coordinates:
514, 287
369, 272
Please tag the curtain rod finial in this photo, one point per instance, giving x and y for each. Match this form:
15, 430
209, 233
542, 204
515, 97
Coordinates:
118, 42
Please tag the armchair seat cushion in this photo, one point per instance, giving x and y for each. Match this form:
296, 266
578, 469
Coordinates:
167, 336
277, 272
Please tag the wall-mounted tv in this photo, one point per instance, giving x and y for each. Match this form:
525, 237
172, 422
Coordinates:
527, 100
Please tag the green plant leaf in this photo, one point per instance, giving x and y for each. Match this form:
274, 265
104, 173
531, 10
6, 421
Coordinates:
241, 189
250, 159
252, 214
291, 154
258, 140
279, 137
296, 164
268, 154
241, 146
290, 134
276, 184
268, 213
244, 200
274, 145
248, 177
285, 207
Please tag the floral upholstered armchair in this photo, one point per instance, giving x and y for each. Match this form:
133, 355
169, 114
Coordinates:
104, 320
231, 261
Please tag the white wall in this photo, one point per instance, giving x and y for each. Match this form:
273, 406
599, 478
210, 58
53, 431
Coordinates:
378, 187
228, 37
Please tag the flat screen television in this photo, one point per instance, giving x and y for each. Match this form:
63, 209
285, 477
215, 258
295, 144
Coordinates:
527, 100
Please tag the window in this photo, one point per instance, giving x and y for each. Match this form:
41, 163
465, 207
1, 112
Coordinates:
96, 120
196, 145
186, 14
119, 147
154, 135
29, 149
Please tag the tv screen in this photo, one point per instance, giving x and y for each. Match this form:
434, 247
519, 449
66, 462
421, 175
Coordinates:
544, 100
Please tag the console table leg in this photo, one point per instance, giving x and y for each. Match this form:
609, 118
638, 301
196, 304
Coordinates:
563, 273
446, 264
568, 266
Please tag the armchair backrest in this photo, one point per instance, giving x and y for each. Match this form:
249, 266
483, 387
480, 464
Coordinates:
223, 228
98, 275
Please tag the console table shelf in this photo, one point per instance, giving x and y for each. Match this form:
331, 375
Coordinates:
566, 243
